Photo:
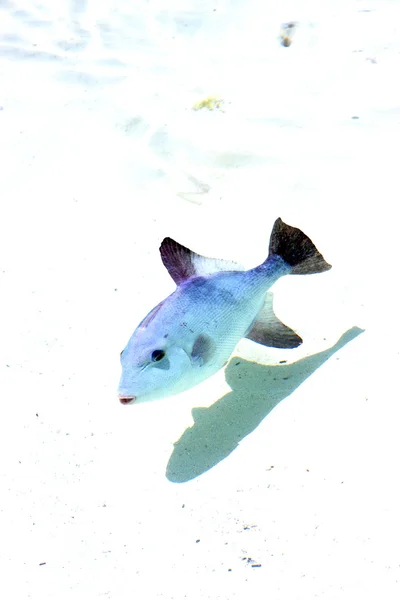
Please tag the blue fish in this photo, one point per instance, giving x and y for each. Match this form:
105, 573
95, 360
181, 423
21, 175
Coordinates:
191, 334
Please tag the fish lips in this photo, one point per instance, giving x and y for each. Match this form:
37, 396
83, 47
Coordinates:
127, 399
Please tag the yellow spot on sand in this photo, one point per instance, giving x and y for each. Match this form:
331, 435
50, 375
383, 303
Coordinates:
211, 103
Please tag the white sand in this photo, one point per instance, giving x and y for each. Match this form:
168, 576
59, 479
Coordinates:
101, 157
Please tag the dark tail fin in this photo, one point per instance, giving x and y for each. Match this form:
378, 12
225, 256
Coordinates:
296, 249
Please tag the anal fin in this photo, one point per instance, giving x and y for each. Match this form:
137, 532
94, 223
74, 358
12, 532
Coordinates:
268, 330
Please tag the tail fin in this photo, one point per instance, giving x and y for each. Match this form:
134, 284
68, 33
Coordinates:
296, 249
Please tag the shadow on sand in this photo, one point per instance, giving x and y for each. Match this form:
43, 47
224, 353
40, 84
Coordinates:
256, 390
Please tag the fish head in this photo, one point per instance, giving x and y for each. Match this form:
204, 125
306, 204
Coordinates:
152, 368
168, 353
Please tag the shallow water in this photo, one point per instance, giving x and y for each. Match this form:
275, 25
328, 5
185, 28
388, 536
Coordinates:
291, 466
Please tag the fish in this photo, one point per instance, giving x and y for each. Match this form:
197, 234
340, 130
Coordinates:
191, 334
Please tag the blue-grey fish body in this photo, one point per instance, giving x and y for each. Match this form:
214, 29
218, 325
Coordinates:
191, 334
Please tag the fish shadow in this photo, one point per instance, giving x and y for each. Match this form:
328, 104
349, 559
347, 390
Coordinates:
256, 390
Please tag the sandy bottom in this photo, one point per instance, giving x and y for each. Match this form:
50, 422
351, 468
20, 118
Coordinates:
272, 479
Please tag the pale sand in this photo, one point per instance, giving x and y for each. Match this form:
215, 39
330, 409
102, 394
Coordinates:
101, 157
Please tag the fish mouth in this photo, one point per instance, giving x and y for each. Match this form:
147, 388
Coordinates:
127, 399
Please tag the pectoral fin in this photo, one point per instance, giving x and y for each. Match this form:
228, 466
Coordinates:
268, 330
203, 349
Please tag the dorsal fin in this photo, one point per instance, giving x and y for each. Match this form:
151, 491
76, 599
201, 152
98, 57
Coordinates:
182, 264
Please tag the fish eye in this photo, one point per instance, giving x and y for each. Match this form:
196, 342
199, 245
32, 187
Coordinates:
157, 355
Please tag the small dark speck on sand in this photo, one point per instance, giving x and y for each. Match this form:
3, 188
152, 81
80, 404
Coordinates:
41, 564
183, 506
282, 362
229, 569
287, 32
197, 541
254, 566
